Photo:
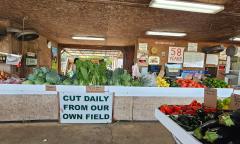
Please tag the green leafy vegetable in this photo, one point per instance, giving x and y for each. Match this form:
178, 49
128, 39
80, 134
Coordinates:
67, 81
31, 77
39, 81
211, 136
226, 120
28, 82
197, 133
215, 83
89, 73
53, 78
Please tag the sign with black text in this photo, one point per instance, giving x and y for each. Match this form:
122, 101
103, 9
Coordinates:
85, 107
175, 54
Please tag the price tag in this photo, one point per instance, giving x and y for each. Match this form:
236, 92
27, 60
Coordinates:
95, 89
210, 98
235, 102
50, 88
175, 55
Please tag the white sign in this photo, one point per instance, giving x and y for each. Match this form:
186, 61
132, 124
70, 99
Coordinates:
223, 55
212, 59
85, 107
13, 59
143, 47
175, 55
193, 59
153, 60
192, 47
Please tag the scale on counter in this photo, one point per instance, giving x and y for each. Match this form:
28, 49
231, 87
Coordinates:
173, 70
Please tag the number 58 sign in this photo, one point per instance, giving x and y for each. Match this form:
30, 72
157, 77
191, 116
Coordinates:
175, 55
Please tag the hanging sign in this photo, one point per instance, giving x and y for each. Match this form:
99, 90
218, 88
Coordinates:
76, 107
175, 55
54, 58
13, 59
194, 59
212, 59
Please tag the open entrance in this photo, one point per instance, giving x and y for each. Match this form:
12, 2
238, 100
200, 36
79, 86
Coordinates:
113, 58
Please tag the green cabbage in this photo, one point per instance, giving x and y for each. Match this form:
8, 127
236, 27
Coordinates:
75, 82
67, 81
28, 82
39, 81
53, 78
44, 70
36, 71
31, 77
41, 75
47, 83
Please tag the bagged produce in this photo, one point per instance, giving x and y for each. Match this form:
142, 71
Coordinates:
150, 80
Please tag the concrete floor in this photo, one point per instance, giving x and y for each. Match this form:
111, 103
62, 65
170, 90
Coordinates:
116, 133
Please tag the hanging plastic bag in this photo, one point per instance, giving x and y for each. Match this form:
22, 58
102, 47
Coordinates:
150, 80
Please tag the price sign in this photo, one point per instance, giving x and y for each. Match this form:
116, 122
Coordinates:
50, 88
175, 55
210, 97
95, 89
235, 102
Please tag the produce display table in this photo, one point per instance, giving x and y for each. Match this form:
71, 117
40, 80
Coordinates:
181, 136
33, 102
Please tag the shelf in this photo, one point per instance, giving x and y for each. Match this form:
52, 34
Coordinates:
125, 91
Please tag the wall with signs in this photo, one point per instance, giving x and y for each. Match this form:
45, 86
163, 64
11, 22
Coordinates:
160, 47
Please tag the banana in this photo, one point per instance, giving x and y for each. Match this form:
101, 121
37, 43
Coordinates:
161, 82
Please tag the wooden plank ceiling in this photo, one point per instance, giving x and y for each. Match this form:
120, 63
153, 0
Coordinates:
120, 21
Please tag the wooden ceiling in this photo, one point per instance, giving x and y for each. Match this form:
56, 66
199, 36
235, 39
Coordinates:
120, 21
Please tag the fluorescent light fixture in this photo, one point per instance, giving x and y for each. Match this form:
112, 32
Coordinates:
174, 34
235, 39
88, 38
186, 6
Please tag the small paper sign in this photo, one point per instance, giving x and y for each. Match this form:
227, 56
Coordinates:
235, 102
95, 89
51, 88
192, 47
210, 98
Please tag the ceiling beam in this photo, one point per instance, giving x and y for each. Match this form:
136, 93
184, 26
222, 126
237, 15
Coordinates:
141, 3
